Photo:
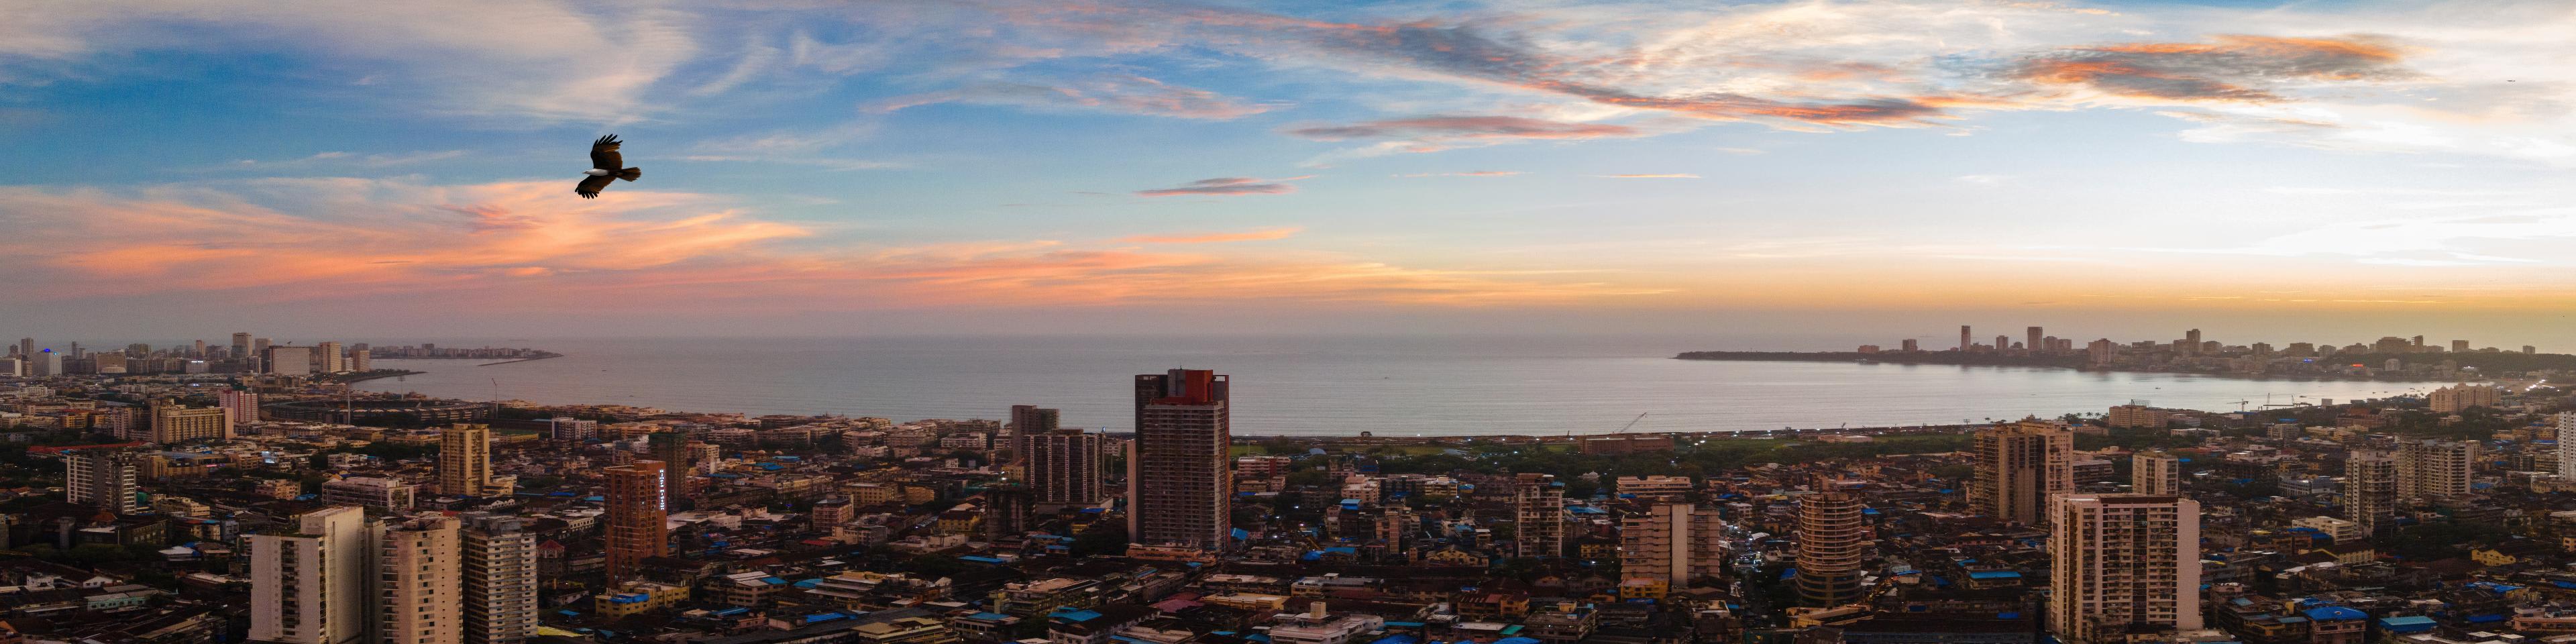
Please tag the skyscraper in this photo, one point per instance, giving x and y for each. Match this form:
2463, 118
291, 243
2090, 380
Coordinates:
241, 346
2019, 466
500, 580
176, 423
1672, 543
309, 586
286, 360
1964, 344
2567, 444
2370, 490
417, 575
1832, 540
2155, 473
241, 405
1538, 515
1178, 482
1063, 467
672, 449
634, 518
2033, 343
26, 346
1027, 421
327, 358
465, 460
101, 478
2434, 468
2120, 562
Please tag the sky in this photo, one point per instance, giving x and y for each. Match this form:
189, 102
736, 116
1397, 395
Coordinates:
184, 168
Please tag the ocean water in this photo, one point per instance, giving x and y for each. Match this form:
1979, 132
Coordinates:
1324, 385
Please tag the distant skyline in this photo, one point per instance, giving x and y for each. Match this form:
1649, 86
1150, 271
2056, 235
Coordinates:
2282, 172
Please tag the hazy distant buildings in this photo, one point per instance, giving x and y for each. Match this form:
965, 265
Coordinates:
1964, 343
1538, 513
2122, 564
101, 478
1178, 482
1832, 541
2455, 398
2019, 466
2134, 416
286, 360
240, 404
635, 518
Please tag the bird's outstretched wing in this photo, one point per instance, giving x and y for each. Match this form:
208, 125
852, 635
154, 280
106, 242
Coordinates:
590, 186
603, 153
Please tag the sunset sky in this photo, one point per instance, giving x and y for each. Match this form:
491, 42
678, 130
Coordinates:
1104, 166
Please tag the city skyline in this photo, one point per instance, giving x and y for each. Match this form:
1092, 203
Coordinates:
1145, 166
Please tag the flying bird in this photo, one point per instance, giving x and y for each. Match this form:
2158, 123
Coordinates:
603, 168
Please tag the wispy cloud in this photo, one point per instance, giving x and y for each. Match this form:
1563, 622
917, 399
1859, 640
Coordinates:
2230, 68
1668, 175
347, 159
1226, 186
1265, 234
1473, 173
1124, 94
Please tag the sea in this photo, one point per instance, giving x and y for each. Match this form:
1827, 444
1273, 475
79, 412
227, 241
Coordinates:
1327, 385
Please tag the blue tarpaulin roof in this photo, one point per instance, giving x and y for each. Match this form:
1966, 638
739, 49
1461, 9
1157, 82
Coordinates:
1994, 574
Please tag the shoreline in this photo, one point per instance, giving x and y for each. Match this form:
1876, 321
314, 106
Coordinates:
1982, 360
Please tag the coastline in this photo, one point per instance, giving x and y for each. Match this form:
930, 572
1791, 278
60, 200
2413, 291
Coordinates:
2070, 363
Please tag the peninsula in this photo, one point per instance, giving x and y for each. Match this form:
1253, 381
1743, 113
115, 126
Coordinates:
2388, 358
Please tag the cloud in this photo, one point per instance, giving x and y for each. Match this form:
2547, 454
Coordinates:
1463, 127
344, 159
1228, 186
531, 246
2230, 68
1472, 173
1672, 175
517, 59
1122, 94
1216, 238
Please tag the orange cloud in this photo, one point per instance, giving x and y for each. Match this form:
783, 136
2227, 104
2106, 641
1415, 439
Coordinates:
1226, 186
2230, 68
1214, 238
527, 245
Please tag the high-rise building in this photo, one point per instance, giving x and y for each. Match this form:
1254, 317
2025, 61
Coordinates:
1672, 543
2429, 469
309, 585
361, 360
2099, 352
327, 358
1063, 467
286, 361
2370, 490
2455, 398
465, 460
2033, 344
2459, 346
636, 511
2192, 337
2019, 466
241, 405
500, 585
26, 346
44, 362
672, 449
241, 346
2567, 444
2121, 562
417, 575
2155, 473
1910, 345
1178, 482
197, 350
176, 423
1832, 541
1027, 421
1538, 512
101, 478
1964, 344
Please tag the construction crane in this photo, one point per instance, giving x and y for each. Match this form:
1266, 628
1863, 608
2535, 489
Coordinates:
2240, 405
1632, 423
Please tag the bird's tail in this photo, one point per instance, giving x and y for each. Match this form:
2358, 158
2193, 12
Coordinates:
630, 174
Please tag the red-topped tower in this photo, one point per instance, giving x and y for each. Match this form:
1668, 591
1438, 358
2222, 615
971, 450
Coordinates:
1178, 466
